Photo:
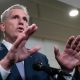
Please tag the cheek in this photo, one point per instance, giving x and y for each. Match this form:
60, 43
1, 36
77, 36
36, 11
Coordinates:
10, 26
9, 30
10, 23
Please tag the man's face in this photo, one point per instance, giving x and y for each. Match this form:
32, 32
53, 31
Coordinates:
16, 23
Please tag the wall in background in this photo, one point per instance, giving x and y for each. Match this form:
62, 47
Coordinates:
47, 48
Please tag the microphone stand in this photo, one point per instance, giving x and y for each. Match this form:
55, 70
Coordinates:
52, 72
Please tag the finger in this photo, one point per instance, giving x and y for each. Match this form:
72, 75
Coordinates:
57, 56
22, 44
75, 42
78, 47
17, 42
28, 52
31, 29
77, 55
69, 42
56, 52
34, 49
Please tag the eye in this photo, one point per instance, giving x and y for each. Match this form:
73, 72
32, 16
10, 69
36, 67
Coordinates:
25, 19
16, 16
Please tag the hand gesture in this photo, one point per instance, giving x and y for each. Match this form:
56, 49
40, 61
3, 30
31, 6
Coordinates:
71, 55
18, 52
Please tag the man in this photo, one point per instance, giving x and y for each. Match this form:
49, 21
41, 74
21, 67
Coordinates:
16, 30
16, 62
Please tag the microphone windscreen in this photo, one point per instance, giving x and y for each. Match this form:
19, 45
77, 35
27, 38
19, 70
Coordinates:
37, 66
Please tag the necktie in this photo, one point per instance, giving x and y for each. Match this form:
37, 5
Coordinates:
60, 77
20, 67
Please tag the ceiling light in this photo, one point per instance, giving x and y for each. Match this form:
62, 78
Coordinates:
73, 13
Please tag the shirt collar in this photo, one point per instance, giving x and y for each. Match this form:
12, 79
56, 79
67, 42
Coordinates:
72, 73
7, 44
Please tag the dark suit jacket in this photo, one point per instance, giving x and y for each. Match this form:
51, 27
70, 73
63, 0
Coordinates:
29, 72
76, 76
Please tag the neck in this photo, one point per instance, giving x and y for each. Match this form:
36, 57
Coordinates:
11, 40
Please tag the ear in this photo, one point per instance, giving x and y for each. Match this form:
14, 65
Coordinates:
2, 27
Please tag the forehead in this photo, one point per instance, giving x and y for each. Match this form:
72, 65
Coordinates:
18, 12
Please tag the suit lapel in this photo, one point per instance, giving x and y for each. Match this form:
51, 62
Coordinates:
3, 51
14, 75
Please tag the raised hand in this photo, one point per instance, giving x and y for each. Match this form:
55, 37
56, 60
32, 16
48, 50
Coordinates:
71, 55
18, 52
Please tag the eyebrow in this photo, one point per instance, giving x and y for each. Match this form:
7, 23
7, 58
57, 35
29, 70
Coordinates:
16, 16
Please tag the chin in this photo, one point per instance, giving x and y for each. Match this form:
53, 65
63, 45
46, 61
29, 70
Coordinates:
15, 36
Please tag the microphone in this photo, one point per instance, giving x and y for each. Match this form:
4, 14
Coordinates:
49, 70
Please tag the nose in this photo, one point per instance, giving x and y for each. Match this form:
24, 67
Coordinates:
21, 22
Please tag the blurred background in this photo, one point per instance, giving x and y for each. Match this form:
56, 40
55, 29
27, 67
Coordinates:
54, 22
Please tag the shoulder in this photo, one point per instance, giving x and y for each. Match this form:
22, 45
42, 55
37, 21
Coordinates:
40, 57
38, 54
2, 46
3, 50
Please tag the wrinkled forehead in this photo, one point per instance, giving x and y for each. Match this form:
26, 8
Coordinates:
18, 12
15, 11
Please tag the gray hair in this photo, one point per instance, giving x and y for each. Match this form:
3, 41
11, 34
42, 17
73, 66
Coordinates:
6, 13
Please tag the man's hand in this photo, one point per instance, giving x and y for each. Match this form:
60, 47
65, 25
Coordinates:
71, 55
18, 52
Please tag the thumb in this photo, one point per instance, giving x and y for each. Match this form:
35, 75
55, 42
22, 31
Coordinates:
56, 52
57, 55
34, 49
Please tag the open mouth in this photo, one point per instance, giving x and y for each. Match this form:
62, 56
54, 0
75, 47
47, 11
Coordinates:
20, 29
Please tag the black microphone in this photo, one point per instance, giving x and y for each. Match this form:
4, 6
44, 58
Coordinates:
49, 70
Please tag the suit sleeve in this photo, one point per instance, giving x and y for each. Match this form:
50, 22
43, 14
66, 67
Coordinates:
0, 77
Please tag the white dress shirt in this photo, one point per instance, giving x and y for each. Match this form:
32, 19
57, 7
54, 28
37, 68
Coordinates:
4, 73
70, 77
